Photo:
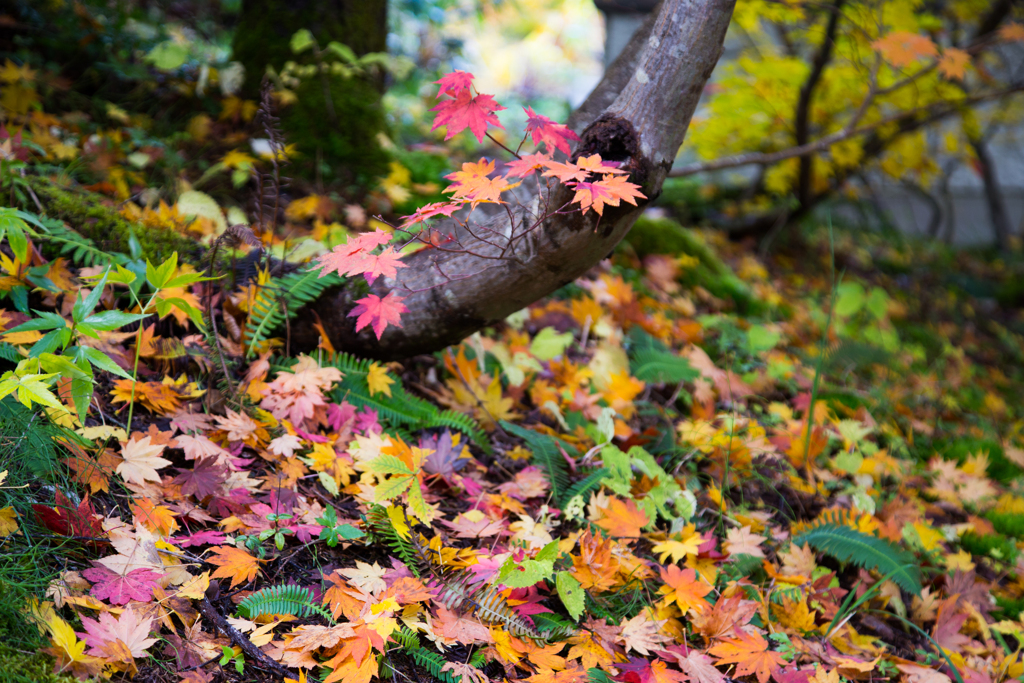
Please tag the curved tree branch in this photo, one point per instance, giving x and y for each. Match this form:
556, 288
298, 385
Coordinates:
642, 128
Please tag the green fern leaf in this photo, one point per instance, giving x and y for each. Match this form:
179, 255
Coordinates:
283, 599
864, 550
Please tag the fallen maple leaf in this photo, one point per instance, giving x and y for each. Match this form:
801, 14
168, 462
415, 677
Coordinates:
743, 542
641, 633
700, 668
378, 381
69, 651
141, 461
233, 563
750, 653
128, 628
623, 518
684, 588
378, 312
121, 589
202, 480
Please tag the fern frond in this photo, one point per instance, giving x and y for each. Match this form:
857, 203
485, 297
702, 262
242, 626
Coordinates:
864, 550
283, 297
401, 408
546, 454
80, 249
379, 524
283, 599
586, 485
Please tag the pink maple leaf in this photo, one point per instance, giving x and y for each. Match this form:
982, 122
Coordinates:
137, 584
350, 258
386, 263
454, 83
129, 628
466, 111
379, 313
431, 210
207, 536
553, 135
530, 163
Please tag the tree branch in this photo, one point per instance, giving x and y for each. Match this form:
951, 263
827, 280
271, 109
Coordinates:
641, 127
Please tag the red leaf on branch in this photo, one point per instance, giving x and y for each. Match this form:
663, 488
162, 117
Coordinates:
454, 83
137, 584
520, 168
429, 211
385, 263
544, 130
378, 312
466, 111
351, 258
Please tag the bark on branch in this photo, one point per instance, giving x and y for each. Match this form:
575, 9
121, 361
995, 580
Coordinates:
451, 295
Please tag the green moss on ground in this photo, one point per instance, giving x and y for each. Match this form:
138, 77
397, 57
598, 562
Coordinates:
665, 236
86, 213
18, 666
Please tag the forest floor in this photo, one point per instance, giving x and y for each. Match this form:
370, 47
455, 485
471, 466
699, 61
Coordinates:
697, 465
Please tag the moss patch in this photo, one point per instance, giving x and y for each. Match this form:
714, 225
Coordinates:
665, 236
86, 213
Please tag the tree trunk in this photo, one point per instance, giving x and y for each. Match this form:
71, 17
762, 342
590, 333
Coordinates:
1001, 227
333, 122
452, 295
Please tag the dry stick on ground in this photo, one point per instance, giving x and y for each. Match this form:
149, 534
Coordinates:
638, 116
261, 659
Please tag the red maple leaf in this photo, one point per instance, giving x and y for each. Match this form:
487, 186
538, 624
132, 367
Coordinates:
137, 584
553, 135
454, 83
466, 111
607, 191
350, 258
68, 520
903, 48
202, 480
520, 168
378, 313
385, 263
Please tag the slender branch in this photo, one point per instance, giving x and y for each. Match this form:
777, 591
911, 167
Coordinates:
767, 159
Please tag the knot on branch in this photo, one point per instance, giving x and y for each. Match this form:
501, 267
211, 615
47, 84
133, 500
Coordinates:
615, 139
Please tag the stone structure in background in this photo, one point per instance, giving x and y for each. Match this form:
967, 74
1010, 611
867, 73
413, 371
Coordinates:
955, 209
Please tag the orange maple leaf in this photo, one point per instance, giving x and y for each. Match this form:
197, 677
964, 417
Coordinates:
1012, 32
954, 63
608, 191
473, 183
234, 563
623, 518
903, 48
684, 588
750, 653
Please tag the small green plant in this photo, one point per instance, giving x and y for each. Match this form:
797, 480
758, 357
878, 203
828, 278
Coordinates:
228, 655
870, 552
333, 533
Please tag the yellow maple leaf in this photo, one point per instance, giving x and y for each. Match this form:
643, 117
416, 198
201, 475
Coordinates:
378, 381
8, 521
679, 546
